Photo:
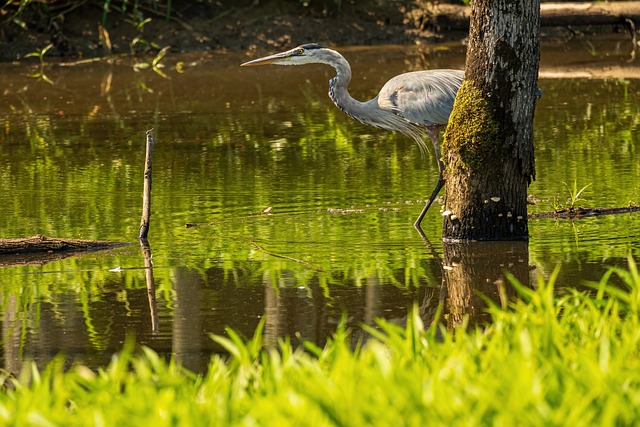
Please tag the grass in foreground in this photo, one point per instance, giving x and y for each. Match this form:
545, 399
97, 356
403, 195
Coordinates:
546, 360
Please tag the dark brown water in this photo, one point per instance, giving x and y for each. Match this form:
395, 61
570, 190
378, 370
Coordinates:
232, 142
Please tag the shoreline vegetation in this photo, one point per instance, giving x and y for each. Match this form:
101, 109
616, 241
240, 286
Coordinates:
108, 29
546, 358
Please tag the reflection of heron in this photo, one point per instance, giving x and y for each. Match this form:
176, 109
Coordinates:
413, 103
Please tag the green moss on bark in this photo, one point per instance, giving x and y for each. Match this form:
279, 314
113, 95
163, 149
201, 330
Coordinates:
472, 131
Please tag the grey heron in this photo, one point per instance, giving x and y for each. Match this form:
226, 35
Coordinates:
414, 103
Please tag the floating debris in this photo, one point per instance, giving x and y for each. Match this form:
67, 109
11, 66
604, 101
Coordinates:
532, 200
495, 199
345, 211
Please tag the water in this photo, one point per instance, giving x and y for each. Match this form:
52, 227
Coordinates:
341, 199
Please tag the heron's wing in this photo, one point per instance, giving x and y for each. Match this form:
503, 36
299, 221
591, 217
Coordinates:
422, 97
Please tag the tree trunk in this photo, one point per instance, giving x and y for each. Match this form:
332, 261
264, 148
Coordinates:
488, 144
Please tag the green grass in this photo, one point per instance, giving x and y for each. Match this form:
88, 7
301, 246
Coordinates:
550, 358
575, 196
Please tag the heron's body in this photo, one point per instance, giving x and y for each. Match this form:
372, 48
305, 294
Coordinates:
414, 103
409, 103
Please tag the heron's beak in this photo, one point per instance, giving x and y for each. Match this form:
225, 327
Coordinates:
278, 58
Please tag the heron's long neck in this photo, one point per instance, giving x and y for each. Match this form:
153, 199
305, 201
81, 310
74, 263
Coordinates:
339, 93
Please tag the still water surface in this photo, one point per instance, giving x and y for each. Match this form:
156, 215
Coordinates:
342, 197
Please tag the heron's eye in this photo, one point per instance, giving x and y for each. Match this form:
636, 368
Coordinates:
300, 51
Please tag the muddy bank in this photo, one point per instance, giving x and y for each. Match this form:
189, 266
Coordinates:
272, 25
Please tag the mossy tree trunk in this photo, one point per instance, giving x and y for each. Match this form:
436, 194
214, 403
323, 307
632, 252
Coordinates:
488, 144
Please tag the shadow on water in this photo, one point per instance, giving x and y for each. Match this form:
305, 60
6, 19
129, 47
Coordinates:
302, 214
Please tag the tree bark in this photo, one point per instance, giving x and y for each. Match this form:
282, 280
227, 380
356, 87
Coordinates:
488, 144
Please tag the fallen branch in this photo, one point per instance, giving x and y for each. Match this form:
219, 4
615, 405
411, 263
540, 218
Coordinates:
40, 250
308, 264
456, 17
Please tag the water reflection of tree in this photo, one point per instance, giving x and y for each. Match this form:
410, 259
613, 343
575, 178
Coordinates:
472, 273
476, 270
187, 323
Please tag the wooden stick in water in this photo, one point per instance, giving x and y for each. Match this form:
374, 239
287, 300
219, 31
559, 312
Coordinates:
146, 193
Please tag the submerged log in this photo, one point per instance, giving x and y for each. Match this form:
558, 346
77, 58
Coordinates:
577, 213
43, 244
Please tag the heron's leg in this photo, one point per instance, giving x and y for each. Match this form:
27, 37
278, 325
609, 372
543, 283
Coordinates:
433, 196
433, 132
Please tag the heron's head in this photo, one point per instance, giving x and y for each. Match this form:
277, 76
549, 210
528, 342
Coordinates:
304, 54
